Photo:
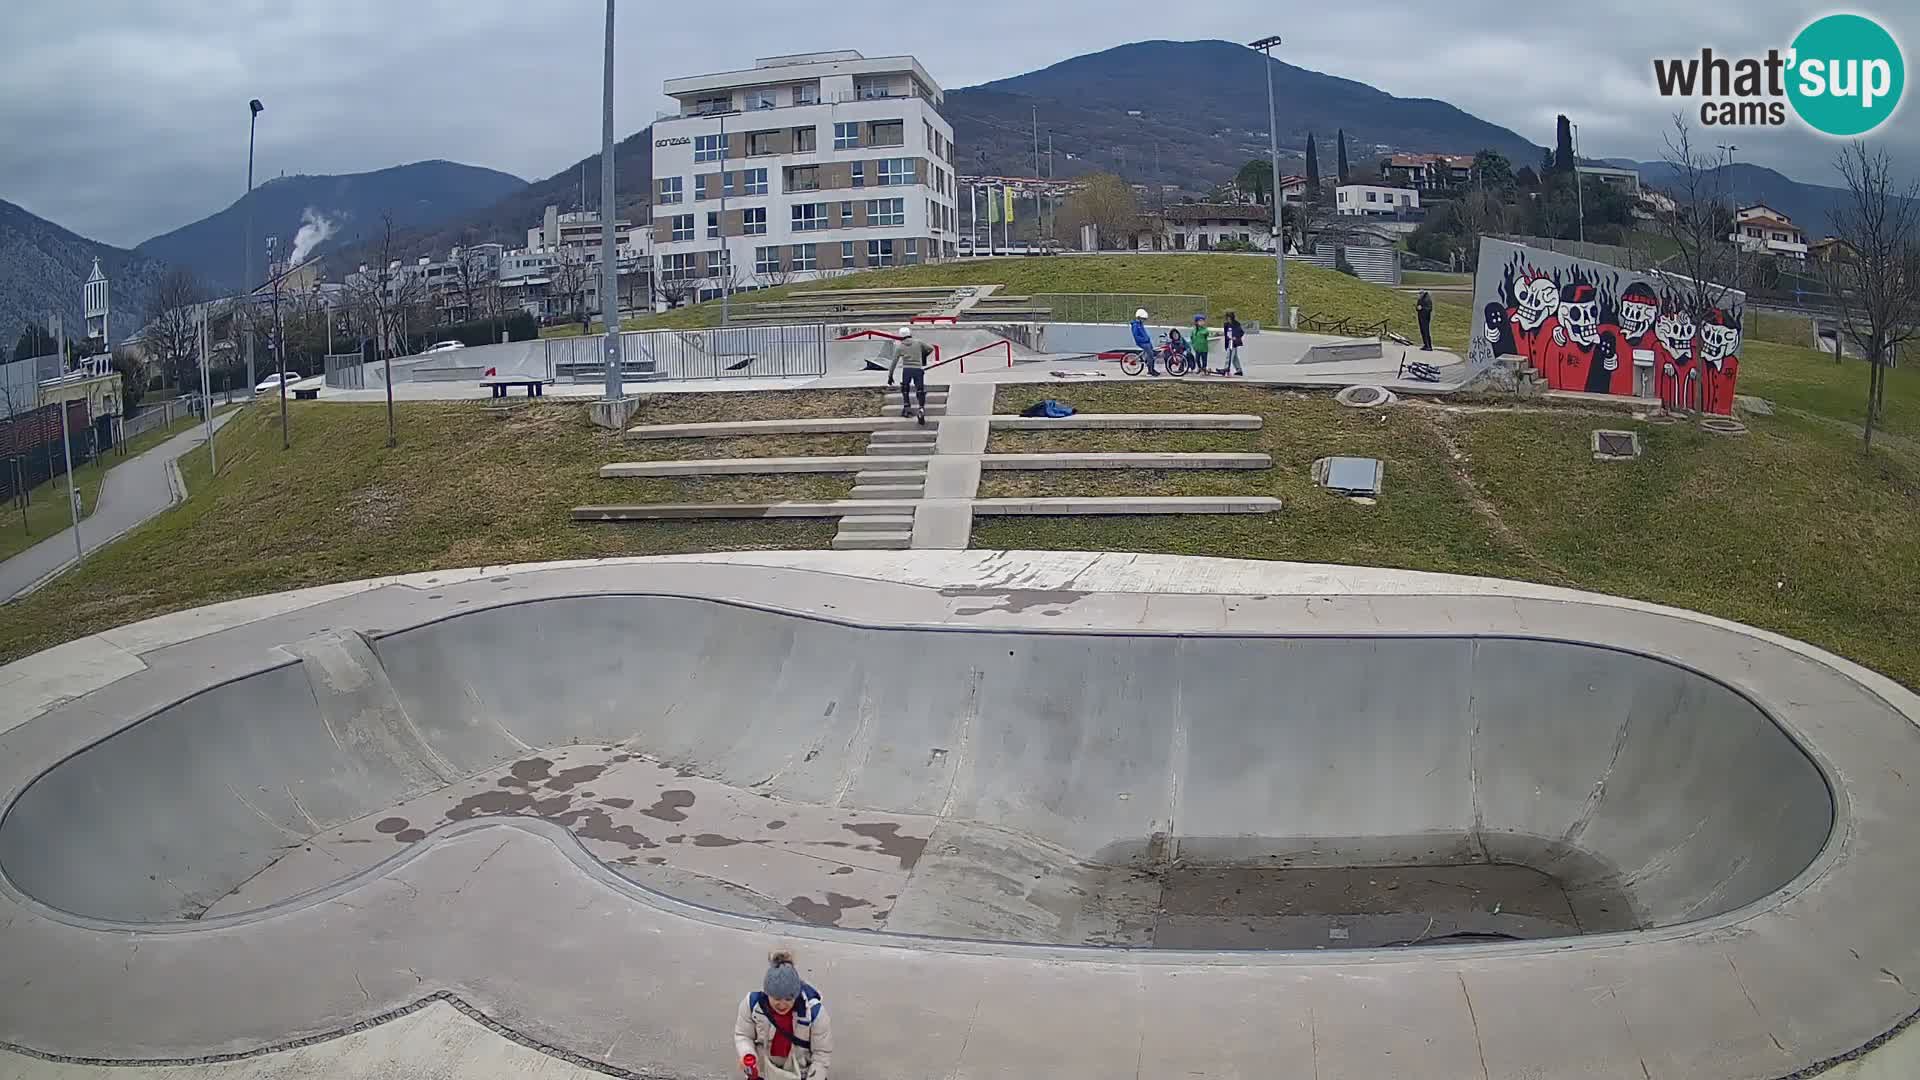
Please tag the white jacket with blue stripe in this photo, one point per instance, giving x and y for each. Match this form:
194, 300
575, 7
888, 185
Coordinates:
753, 1029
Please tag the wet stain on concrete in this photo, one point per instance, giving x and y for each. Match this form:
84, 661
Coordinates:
843, 870
714, 840
621, 759
525, 774
776, 824
568, 779
391, 825
656, 860
1013, 600
676, 839
825, 913
886, 835
499, 803
408, 836
617, 804
594, 823
671, 805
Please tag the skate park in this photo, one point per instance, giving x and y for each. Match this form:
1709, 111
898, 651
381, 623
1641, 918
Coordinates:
1383, 822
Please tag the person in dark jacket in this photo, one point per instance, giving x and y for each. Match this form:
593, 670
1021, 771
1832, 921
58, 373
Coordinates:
1232, 335
1423, 308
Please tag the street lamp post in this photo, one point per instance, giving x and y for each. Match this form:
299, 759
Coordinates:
609, 265
1266, 45
726, 259
1734, 205
254, 109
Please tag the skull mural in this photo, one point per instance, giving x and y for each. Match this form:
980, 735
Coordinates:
1719, 338
1675, 330
1639, 307
1580, 314
1538, 299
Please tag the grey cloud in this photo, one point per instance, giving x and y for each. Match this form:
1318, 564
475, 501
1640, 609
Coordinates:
128, 118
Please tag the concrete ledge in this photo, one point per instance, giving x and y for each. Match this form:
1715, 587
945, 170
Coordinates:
1074, 505
1606, 401
818, 426
686, 511
1021, 462
1344, 350
746, 466
1131, 422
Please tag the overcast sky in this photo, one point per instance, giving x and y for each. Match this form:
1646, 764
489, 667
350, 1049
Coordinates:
122, 119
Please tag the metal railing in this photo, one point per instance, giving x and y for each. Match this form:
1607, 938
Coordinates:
1114, 307
736, 352
345, 371
154, 417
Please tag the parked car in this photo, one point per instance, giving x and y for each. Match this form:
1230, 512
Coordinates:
442, 346
271, 383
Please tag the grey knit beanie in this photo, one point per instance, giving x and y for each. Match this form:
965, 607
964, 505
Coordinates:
783, 980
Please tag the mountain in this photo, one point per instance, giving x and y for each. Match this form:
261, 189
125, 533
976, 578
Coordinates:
505, 220
337, 209
43, 265
1202, 114
1807, 204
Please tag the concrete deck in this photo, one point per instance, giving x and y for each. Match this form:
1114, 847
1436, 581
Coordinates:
823, 463
1037, 462
1755, 791
856, 424
1130, 422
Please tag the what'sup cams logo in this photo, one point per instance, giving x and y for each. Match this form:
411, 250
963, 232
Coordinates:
1843, 75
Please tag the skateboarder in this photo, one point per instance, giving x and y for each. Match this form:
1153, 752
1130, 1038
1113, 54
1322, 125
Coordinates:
910, 357
781, 1032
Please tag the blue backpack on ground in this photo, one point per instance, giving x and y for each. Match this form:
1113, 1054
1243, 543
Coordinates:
1048, 408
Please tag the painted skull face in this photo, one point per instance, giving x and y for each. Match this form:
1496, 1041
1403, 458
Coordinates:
1580, 313
1675, 329
1637, 312
1538, 298
1718, 341
1495, 317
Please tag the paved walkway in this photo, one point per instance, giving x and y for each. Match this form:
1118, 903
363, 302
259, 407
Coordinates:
134, 490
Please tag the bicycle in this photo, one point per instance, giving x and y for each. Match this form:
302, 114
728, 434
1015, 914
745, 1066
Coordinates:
1133, 363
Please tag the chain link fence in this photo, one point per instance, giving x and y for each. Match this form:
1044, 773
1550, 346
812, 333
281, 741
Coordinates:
735, 352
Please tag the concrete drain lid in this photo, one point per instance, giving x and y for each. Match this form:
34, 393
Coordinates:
1365, 397
1722, 425
1616, 445
1356, 477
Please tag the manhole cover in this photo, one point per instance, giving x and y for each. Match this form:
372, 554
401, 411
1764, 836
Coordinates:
1616, 445
1364, 397
1354, 476
1722, 425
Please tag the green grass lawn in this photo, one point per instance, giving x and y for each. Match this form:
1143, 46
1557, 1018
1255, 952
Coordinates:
1229, 282
46, 512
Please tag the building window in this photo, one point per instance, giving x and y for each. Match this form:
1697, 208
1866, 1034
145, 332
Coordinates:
683, 227
719, 104
805, 257
803, 139
678, 267
1370, 196
756, 181
806, 94
888, 133
859, 174
933, 140
879, 253
763, 99
846, 253
886, 211
846, 215
766, 260
913, 251
707, 147
809, 217
846, 136
869, 91
754, 221
895, 171
713, 224
760, 143
803, 178
671, 190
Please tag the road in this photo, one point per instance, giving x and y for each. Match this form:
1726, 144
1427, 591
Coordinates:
134, 490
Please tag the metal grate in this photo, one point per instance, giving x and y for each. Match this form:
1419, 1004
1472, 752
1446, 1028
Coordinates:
1616, 445
1354, 475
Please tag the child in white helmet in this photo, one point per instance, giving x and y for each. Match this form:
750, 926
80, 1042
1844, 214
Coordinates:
910, 357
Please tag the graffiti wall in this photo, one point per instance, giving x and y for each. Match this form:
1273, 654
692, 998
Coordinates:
1588, 326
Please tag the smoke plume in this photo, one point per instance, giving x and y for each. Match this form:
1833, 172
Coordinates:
315, 228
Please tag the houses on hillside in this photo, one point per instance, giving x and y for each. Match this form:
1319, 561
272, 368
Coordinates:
1762, 229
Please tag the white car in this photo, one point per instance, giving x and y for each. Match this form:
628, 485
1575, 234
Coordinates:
442, 346
271, 383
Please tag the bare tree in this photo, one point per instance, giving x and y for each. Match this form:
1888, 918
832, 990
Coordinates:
677, 289
568, 280
172, 333
1479, 213
1705, 261
1876, 285
17, 399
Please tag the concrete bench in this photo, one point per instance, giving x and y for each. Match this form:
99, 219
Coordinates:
500, 384
307, 389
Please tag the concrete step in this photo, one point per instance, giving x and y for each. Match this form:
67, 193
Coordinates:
919, 449
935, 410
914, 434
886, 491
874, 541
891, 476
876, 523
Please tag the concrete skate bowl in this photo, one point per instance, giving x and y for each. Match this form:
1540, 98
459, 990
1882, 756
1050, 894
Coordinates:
1061, 788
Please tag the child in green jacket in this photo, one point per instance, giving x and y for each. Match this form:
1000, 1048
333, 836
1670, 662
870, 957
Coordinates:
1201, 342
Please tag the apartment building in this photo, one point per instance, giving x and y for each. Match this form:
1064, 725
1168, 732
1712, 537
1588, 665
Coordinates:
1356, 200
1763, 229
802, 165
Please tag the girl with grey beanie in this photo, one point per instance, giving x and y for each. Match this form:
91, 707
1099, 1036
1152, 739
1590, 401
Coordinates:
781, 1032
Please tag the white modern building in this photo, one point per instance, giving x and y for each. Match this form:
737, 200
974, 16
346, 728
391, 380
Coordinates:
1764, 229
1364, 199
801, 166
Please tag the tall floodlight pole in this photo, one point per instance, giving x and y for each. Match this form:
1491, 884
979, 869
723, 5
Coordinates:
609, 267
206, 387
1734, 205
726, 261
254, 108
1040, 191
1266, 45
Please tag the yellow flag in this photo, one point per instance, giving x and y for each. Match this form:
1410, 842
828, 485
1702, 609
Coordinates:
1009, 213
